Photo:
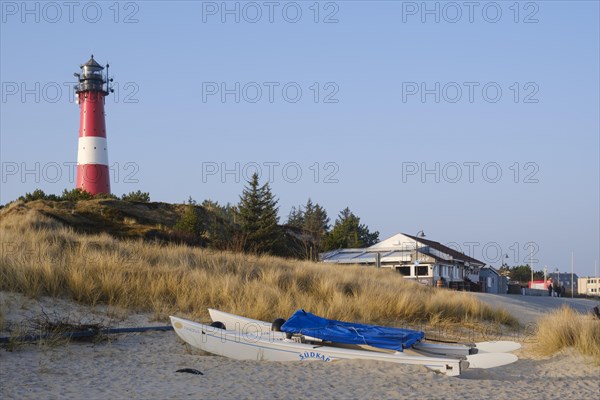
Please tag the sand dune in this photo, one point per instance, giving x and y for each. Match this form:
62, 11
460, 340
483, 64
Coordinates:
137, 366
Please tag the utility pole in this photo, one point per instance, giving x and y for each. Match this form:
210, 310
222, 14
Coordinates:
572, 287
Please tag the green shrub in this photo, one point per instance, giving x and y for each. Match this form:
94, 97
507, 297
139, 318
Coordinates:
38, 194
76, 195
105, 196
143, 197
190, 221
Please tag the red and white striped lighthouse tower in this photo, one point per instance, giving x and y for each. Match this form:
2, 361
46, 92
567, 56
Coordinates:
92, 154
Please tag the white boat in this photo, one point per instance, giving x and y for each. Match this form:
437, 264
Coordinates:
248, 339
253, 326
274, 346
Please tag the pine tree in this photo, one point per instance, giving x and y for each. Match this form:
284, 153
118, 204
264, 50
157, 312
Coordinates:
316, 220
296, 217
221, 229
258, 220
312, 219
348, 232
190, 222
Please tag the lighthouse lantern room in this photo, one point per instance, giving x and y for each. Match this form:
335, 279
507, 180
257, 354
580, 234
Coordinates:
92, 154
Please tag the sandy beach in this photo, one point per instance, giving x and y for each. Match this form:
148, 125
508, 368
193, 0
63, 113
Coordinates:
143, 365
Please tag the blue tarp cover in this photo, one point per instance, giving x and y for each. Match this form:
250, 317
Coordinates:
308, 324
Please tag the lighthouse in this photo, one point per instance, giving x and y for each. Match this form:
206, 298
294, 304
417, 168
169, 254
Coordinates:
92, 153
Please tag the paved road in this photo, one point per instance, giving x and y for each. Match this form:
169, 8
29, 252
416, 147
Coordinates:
529, 308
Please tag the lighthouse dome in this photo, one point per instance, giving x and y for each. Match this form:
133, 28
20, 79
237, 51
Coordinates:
91, 77
92, 68
93, 63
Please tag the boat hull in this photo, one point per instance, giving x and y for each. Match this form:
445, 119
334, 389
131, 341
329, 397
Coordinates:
248, 325
273, 346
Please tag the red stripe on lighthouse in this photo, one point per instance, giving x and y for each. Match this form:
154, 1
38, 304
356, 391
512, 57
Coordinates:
91, 114
93, 178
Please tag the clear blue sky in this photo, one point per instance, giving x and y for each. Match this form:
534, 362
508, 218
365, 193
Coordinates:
170, 130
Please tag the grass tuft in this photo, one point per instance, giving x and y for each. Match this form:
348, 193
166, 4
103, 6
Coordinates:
565, 328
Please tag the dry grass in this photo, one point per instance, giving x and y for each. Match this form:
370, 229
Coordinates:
566, 328
42, 257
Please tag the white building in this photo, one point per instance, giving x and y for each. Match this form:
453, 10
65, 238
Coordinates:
589, 286
415, 258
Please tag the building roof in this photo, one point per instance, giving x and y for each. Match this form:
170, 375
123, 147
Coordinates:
92, 63
490, 269
363, 256
564, 276
456, 255
398, 249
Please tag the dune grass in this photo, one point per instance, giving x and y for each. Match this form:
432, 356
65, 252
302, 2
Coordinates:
565, 328
43, 257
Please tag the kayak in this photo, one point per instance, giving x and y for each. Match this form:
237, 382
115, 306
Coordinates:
248, 325
243, 338
275, 346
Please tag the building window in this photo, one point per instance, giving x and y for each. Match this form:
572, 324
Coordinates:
405, 271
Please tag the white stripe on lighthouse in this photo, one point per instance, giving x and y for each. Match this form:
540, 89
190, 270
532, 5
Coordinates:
92, 150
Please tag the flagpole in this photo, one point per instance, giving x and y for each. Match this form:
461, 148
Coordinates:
572, 287
531, 265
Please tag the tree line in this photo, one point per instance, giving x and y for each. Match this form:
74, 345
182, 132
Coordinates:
520, 273
80, 194
252, 225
